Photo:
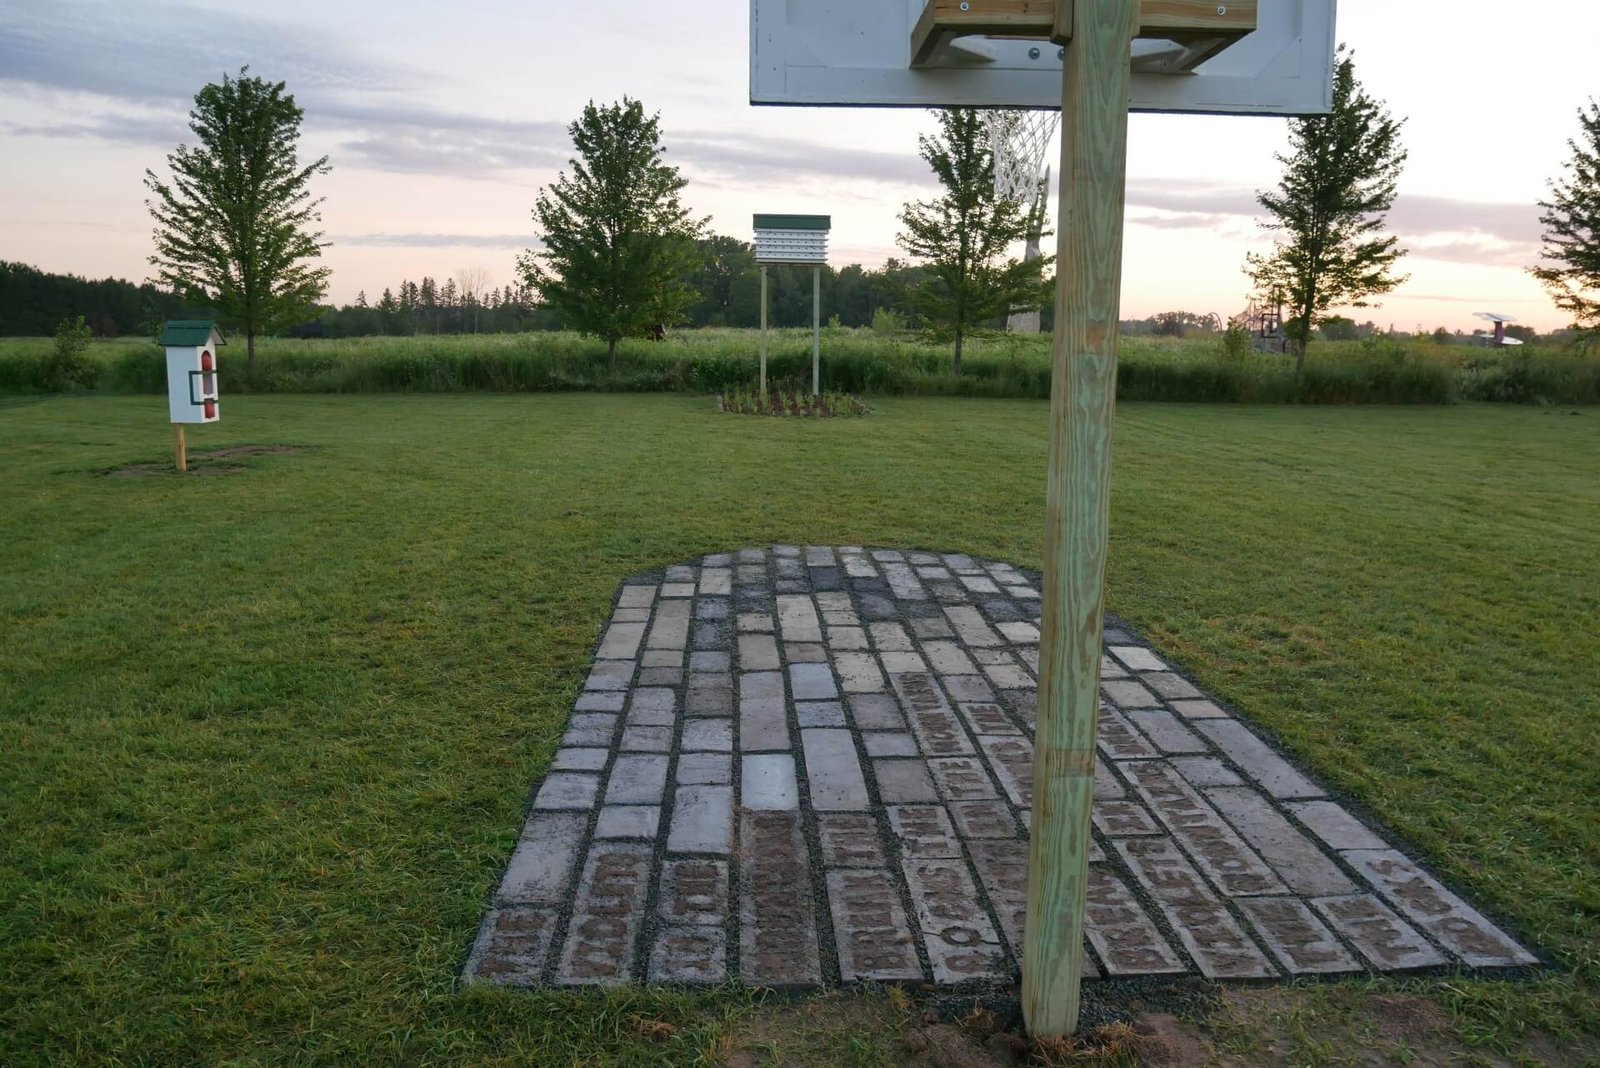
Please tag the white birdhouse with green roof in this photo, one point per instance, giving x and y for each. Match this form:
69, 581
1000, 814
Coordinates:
191, 346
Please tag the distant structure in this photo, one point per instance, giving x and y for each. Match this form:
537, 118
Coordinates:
1498, 339
1264, 320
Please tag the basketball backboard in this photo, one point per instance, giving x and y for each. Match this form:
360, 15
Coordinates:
860, 53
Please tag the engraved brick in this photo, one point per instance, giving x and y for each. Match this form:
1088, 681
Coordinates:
833, 771
1258, 761
983, 819
1225, 858
1118, 740
961, 942
512, 946
767, 782
777, 921
904, 782
689, 955
606, 913
694, 892
987, 718
1455, 924
1106, 785
1124, 936
1164, 872
961, 779
1011, 759
1296, 859
870, 929
1217, 943
1119, 819
932, 720
1295, 936
849, 840
1166, 732
702, 820
1002, 865
923, 831
1383, 938
1331, 823
540, 870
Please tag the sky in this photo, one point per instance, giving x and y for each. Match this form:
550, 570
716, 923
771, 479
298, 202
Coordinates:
442, 124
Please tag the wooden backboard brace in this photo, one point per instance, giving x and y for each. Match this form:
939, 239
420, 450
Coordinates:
1206, 57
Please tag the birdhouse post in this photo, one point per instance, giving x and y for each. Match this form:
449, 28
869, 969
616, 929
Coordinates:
794, 239
191, 346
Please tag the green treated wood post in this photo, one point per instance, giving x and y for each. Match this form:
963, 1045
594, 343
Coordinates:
763, 393
1094, 149
816, 330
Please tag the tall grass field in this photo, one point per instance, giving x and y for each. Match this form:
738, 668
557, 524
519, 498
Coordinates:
1377, 371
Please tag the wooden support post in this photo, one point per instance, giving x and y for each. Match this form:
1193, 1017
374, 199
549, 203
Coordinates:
181, 450
1094, 146
816, 331
763, 393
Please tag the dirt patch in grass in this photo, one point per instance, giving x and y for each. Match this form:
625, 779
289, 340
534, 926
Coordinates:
201, 464
1257, 1027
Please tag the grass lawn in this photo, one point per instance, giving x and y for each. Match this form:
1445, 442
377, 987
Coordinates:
268, 736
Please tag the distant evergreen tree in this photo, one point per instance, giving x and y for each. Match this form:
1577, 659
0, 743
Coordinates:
1572, 231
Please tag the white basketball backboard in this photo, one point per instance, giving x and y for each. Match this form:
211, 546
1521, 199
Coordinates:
858, 53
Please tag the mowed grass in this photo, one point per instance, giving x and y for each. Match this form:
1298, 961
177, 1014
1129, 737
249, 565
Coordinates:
268, 737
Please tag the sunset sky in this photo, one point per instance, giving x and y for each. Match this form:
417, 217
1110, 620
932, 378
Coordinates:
442, 124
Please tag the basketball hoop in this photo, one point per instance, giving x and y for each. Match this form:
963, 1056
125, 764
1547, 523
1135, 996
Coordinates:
1020, 141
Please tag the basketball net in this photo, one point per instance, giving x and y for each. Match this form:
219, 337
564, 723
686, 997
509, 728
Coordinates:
1020, 141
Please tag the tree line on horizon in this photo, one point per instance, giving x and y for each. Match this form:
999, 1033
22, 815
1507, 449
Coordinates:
623, 257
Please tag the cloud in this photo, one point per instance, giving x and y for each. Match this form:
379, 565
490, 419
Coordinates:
495, 241
124, 51
1488, 233
745, 156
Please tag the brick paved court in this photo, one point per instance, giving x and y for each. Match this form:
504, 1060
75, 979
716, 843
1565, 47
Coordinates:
802, 766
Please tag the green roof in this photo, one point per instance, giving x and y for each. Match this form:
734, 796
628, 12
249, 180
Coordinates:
794, 222
184, 333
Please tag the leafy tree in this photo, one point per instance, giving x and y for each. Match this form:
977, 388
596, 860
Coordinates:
1572, 230
964, 235
618, 242
235, 219
1338, 183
